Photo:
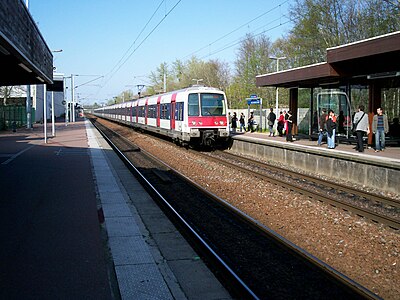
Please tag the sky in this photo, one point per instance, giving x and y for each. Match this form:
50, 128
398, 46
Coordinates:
125, 40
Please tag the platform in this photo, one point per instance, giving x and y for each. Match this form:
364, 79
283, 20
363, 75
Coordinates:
379, 170
53, 245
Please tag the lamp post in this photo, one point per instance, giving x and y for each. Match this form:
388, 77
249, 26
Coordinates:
53, 126
277, 89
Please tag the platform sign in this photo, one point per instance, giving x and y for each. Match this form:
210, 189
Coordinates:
253, 100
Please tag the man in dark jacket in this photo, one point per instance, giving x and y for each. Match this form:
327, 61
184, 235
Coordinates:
271, 121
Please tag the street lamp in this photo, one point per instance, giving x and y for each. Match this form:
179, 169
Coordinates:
197, 80
277, 89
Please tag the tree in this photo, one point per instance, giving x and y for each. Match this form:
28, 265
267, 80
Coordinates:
182, 74
6, 92
320, 24
252, 60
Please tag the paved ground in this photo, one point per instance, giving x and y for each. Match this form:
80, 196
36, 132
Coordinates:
51, 246
391, 151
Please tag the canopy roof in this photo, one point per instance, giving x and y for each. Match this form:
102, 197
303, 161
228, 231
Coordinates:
376, 58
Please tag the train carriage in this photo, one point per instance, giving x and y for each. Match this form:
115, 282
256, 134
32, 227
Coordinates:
195, 116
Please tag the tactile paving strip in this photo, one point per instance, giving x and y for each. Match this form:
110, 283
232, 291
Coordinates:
141, 282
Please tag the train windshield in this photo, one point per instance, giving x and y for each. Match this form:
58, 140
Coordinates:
212, 104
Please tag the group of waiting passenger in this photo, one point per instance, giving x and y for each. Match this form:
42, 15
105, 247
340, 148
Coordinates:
380, 127
284, 127
328, 123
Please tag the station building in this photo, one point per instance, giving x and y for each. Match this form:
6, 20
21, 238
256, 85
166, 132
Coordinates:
366, 73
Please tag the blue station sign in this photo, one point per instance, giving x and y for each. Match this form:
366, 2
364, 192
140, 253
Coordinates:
254, 99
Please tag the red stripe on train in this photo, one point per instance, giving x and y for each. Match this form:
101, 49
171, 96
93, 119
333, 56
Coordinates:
207, 121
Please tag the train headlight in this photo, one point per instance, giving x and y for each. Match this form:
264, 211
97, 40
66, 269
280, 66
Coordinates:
200, 123
194, 123
221, 122
216, 122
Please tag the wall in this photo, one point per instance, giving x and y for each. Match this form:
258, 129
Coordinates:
383, 175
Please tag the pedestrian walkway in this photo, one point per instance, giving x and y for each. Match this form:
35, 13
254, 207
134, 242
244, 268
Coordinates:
53, 246
391, 151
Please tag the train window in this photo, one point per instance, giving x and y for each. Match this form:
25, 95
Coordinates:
141, 111
168, 111
212, 104
193, 105
152, 111
179, 111
165, 111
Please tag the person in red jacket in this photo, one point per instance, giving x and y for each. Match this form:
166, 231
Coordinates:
281, 123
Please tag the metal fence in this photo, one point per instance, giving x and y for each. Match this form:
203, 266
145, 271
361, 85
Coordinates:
10, 114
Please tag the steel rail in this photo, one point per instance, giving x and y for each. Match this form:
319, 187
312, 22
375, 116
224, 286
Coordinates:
153, 190
389, 221
262, 228
337, 186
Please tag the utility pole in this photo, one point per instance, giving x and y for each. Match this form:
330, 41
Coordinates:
72, 99
277, 89
28, 107
45, 112
28, 95
140, 88
165, 82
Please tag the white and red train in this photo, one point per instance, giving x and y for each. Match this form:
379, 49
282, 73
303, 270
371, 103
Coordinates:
192, 116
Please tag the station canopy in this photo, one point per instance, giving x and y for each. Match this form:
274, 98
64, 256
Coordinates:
374, 59
25, 57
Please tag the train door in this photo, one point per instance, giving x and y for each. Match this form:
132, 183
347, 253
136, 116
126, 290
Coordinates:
146, 111
173, 103
158, 111
137, 112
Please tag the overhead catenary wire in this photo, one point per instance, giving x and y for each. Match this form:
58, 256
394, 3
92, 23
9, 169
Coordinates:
238, 41
236, 29
111, 75
140, 33
123, 60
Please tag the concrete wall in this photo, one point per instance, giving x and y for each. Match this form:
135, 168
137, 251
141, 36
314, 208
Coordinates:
380, 174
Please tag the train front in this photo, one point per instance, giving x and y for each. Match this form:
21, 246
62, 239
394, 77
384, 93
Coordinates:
207, 118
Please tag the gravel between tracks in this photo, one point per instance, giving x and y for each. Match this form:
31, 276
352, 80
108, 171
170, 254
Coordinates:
366, 252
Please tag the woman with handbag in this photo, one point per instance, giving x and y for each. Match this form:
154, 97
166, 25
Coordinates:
361, 127
331, 129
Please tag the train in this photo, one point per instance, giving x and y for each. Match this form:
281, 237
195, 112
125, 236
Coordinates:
194, 116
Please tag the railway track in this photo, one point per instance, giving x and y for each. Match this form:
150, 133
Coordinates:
374, 207
255, 260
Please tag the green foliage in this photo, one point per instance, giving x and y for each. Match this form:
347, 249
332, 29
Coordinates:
317, 25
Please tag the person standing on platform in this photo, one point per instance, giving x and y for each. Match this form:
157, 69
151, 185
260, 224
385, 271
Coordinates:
234, 122
285, 114
230, 121
322, 126
250, 122
331, 129
380, 127
242, 122
281, 124
271, 122
361, 127
289, 127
